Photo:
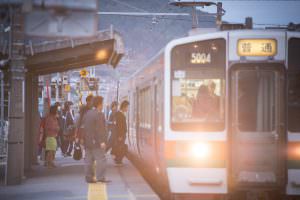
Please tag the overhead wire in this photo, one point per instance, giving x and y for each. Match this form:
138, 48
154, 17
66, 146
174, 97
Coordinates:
129, 5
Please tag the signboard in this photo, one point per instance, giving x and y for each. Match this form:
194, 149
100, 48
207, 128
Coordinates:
83, 73
67, 88
200, 58
206, 53
65, 80
257, 47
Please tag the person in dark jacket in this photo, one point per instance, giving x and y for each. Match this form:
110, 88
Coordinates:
93, 123
83, 110
69, 128
111, 122
61, 124
119, 148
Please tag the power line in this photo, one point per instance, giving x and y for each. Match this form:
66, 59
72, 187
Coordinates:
143, 14
256, 0
129, 6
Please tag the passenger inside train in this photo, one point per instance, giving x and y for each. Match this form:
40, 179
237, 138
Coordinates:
202, 104
199, 100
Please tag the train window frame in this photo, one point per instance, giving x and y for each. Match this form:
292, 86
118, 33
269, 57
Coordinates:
145, 112
214, 59
160, 106
276, 67
293, 71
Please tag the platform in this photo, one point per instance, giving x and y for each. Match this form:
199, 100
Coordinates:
66, 182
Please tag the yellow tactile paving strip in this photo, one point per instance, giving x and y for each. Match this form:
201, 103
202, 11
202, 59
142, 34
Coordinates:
97, 191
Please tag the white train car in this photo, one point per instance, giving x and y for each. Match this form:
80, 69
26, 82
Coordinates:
216, 115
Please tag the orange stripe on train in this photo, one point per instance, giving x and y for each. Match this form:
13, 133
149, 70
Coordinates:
294, 151
175, 149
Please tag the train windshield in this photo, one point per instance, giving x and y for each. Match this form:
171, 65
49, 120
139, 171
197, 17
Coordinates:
198, 86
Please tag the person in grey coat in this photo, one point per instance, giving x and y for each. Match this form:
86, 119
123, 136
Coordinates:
94, 129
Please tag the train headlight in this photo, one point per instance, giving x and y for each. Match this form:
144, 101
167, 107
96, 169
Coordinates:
200, 150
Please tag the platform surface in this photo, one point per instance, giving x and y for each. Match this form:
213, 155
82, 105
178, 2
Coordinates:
66, 182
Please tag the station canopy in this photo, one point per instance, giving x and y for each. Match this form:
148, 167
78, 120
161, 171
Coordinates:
106, 47
63, 35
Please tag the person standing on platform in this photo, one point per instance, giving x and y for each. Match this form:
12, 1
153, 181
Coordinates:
69, 128
83, 110
61, 127
42, 140
112, 125
94, 128
51, 131
120, 148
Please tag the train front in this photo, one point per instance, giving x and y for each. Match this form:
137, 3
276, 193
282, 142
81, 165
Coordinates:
226, 116
195, 122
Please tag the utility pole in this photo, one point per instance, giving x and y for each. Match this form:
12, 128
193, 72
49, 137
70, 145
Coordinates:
57, 99
194, 4
15, 162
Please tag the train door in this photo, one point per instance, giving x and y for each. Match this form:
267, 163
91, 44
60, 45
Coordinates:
293, 106
137, 124
258, 126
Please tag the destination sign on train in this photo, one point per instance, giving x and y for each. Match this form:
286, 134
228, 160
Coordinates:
200, 58
257, 47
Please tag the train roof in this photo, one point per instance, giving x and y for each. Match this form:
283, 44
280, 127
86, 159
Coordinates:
208, 32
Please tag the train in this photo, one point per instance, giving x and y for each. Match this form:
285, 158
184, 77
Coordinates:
216, 115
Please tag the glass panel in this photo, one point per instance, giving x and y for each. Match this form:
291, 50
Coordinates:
256, 100
294, 85
198, 86
198, 100
145, 106
159, 107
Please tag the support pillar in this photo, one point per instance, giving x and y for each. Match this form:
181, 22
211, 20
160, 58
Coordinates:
32, 120
28, 115
35, 123
15, 162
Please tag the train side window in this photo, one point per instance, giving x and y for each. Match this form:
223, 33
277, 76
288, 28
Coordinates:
160, 107
145, 105
141, 110
294, 85
133, 110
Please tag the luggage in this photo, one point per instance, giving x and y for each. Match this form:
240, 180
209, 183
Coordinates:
77, 155
120, 149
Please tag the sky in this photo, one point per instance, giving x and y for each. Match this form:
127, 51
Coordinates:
263, 12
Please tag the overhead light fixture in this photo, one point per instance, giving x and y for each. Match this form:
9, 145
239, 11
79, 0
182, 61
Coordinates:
101, 55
